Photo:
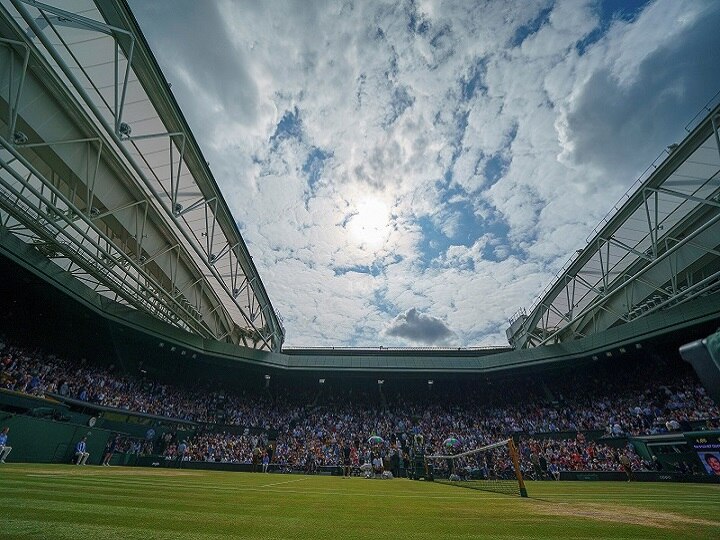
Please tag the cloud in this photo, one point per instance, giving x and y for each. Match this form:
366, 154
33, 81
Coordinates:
417, 328
629, 109
494, 136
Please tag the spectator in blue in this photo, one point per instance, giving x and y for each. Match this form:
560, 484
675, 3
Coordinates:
554, 470
81, 453
4, 448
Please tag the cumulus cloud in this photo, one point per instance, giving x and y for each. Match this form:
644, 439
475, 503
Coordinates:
387, 157
419, 328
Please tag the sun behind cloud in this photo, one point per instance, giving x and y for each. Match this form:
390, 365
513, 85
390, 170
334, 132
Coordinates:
370, 224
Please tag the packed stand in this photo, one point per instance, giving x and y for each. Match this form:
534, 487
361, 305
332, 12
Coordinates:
311, 432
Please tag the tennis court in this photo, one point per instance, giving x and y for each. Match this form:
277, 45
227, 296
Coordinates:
51, 501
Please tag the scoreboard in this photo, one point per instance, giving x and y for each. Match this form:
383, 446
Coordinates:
707, 446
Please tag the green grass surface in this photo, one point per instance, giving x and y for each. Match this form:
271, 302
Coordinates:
94, 503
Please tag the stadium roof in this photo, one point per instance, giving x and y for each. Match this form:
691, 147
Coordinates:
142, 196
658, 247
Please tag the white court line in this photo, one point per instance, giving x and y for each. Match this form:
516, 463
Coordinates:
287, 482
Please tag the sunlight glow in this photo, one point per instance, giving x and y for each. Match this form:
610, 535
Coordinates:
370, 224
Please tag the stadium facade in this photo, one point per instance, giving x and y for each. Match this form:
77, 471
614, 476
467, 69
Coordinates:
105, 197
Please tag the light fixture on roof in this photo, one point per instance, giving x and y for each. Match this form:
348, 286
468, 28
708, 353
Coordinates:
20, 138
381, 382
124, 130
321, 381
178, 209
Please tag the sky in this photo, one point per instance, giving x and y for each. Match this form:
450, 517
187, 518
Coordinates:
412, 173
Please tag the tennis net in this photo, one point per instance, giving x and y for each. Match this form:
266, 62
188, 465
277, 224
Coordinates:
494, 467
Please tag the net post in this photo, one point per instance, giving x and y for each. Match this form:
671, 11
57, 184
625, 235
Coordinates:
516, 464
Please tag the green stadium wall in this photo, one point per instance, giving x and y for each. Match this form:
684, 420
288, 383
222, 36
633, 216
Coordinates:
39, 440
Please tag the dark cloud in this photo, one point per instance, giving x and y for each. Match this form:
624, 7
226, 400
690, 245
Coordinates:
419, 328
192, 37
621, 128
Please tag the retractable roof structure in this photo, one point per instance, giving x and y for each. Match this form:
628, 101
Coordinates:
101, 174
659, 247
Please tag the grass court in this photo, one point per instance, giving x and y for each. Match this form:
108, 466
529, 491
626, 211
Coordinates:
96, 503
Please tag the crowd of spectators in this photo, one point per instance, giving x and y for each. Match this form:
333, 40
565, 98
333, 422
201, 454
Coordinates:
542, 456
219, 447
311, 430
35, 373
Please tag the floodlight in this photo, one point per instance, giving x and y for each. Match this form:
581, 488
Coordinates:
124, 130
20, 138
321, 381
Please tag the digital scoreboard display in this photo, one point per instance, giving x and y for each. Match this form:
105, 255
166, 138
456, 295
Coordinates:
707, 446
